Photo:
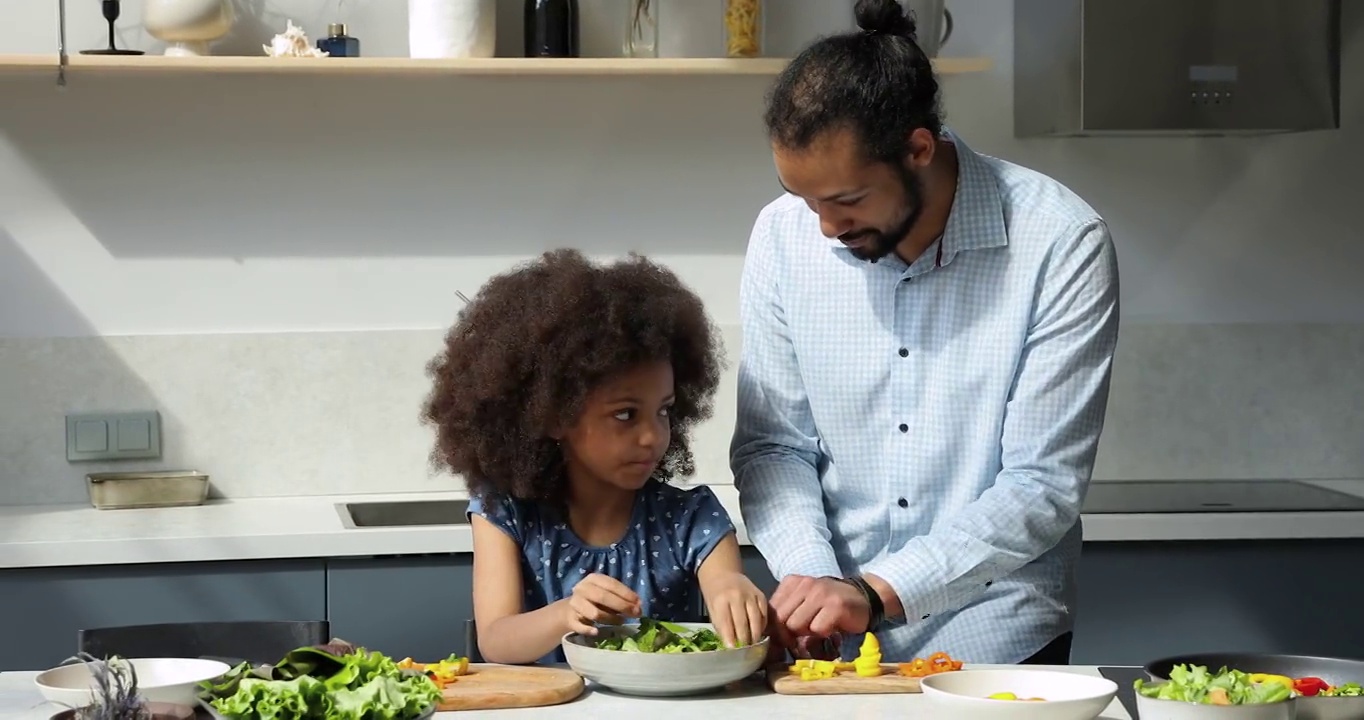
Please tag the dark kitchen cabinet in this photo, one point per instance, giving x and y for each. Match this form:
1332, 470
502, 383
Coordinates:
755, 567
402, 606
1138, 601
41, 609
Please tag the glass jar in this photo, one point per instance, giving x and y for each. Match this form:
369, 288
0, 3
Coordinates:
743, 28
641, 28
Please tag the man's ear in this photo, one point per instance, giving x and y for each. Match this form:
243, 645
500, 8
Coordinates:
922, 147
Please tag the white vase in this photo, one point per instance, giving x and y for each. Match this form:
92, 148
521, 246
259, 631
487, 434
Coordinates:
451, 28
187, 26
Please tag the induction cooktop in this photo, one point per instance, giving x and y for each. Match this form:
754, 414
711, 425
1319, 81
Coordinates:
1214, 496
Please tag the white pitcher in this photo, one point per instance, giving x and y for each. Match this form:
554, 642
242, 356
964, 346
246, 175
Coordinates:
451, 28
187, 26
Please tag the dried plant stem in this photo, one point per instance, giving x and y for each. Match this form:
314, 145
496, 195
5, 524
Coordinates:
642, 9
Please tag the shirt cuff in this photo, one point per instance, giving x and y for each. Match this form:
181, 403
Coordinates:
918, 582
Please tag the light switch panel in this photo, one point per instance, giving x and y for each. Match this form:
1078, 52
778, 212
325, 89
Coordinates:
113, 436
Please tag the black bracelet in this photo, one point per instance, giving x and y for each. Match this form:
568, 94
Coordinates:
878, 608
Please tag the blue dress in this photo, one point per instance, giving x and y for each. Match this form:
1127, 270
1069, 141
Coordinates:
672, 531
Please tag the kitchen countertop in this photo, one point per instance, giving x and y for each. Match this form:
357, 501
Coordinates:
20, 700
310, 527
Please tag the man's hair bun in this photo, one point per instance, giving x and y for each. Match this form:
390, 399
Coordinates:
884, 17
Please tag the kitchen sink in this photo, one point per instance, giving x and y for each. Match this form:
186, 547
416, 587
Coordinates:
403, 513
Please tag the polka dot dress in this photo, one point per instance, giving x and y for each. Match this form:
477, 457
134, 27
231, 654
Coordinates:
672, 531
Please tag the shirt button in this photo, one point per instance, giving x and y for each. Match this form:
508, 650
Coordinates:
904, 427
988, 583
904, 352
924, 617
902, 503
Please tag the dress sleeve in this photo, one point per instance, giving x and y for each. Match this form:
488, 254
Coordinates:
501, 512
702, 522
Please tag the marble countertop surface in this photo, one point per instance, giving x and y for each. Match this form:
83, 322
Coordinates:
19, 699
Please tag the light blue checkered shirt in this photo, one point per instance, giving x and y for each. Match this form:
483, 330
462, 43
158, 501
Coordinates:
933, 424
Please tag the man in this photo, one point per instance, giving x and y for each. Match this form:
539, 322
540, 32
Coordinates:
928, 337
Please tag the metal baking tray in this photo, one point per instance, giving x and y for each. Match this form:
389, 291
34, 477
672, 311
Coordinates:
125, 490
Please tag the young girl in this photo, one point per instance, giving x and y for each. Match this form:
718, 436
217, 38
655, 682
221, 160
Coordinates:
564, 396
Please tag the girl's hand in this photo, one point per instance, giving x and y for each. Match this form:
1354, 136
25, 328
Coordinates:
599, 599
738, 610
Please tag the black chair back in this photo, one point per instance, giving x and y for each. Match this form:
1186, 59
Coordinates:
471, 642
257, 642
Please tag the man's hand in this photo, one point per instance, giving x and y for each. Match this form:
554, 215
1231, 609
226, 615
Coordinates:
782, 643
821, 607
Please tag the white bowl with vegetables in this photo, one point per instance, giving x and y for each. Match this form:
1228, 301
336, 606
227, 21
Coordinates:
661, 659
1021, 694
1197, 693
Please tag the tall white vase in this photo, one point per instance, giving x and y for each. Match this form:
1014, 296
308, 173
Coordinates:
451, 28
187, 26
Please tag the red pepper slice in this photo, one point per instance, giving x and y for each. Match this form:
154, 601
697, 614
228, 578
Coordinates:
1310, 686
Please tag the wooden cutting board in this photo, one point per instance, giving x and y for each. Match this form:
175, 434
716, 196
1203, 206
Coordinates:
780, 679
488, 686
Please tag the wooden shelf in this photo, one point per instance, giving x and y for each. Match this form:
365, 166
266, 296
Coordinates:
106, 65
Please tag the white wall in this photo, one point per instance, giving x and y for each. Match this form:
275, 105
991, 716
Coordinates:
270, 261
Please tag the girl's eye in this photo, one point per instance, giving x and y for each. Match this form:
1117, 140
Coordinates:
665, 411
624, 415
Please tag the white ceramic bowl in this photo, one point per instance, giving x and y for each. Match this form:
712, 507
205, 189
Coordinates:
1153, 709
964, 695
168, 680
660, 674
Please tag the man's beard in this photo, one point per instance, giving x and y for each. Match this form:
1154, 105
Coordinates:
883, 242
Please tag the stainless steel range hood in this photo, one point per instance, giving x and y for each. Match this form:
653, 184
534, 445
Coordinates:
1175, 67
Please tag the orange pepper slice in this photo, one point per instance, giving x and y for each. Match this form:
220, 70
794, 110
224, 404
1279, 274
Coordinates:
939, 662
917, 668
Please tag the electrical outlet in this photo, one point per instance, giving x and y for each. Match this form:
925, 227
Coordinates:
113, 436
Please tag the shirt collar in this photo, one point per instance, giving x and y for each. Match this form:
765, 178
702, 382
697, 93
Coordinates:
977, 218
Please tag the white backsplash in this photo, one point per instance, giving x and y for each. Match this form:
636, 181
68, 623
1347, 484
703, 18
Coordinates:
337, 413
262, 414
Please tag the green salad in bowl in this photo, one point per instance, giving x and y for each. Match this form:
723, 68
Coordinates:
1195, 684
659, 658
322, 683
658, 636
1195, 693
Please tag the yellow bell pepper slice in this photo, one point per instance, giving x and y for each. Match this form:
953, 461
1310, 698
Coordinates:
1262, 678
869, 669
814, 669
868, 665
